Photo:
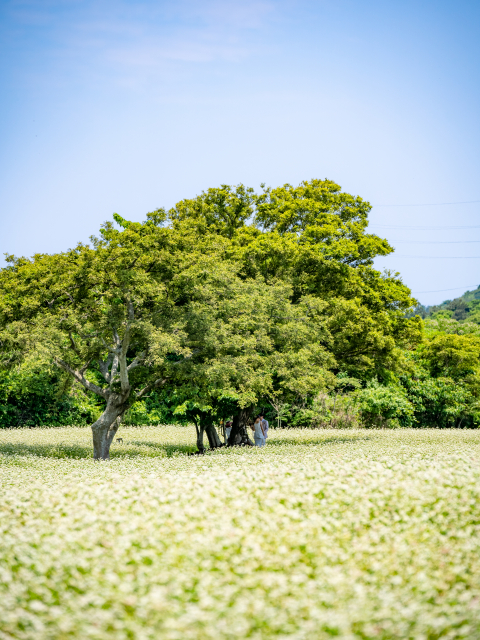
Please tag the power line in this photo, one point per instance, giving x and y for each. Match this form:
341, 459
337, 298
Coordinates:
427, 204
433, 241
423, 228
440, 290
440, 257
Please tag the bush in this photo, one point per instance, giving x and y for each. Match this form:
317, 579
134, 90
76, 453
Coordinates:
141, 414
442, 403
384, 406
32, 398
332, 411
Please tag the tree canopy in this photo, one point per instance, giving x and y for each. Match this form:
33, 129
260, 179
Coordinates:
230, 295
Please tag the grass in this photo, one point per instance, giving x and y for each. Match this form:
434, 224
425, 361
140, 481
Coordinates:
345, 534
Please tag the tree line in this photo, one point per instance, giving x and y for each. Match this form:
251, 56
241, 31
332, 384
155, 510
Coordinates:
465, 308
227, 302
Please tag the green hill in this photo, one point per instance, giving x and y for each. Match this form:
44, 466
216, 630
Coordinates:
466, 308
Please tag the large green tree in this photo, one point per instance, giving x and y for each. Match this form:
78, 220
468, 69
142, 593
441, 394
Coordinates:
104, 314
249, 344
149, 307
315, 238
232, 296
442, 380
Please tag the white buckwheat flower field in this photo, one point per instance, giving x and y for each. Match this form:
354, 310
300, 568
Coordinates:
322, 533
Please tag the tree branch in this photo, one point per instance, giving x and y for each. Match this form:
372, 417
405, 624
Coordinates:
124, 381
137, 361
72, 343
85, 366
131, 315
104, 366
114, 369
158, 383
79, 377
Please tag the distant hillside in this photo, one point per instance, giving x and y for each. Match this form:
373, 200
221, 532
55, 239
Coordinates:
466, 308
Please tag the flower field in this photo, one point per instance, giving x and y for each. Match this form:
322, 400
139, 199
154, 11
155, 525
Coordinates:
346, 534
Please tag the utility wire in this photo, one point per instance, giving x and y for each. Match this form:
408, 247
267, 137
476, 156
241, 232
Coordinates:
440, 257
428, 204
397, 226
432, 241
440, 290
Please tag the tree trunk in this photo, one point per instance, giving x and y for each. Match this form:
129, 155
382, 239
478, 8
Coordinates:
105, 428
199, 429
239, 434
102, 439
213, 437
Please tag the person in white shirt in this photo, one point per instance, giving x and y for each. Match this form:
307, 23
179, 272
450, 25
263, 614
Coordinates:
259, 434
228, 430
265, 426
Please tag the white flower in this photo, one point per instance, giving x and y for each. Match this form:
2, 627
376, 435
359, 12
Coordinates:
321, 533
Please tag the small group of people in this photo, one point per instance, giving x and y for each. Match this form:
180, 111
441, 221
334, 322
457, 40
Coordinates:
259, 428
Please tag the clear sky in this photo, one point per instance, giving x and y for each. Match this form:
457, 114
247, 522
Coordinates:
126, 106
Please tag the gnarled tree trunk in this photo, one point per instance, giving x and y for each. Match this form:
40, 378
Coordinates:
204, 424
239, 433
213, 437
199, 429
105, 428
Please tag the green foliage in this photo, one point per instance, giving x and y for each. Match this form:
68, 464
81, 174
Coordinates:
442, 403
337, 409
325, 411
36, 397
221, 211
155, 409
313, 238
382, 406
232, 294
455, 356
442, 381
466, 308
448, 325
139, 414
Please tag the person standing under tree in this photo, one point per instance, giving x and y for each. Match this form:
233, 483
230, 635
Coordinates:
228, 429
265, 426
259, 433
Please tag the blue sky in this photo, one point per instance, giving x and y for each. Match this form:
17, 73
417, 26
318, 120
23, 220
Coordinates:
126, 106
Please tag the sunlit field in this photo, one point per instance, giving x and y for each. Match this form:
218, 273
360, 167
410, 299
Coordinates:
350, 534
